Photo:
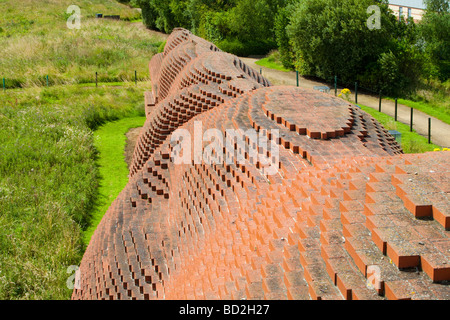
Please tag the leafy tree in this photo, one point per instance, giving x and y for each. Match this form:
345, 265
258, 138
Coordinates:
242, 27
149, 14
281, 22
435, 32
331, 37
438, 6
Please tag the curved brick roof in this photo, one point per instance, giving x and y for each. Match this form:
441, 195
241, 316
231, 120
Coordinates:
345, 216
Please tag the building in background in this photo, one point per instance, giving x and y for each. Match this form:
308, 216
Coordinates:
408, 8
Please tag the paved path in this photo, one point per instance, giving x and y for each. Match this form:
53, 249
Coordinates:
440, 131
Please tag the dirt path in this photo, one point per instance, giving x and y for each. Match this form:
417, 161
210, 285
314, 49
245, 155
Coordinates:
440, 131
132, 136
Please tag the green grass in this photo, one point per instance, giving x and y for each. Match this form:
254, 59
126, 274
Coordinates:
110, 143
272, 61
49, 179
441, 112
411, 142
270, 64
102, 84
35, 41
433, 98
50, 171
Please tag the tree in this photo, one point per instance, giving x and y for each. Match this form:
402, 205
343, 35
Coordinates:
435, 32
241, 27
281, 22
438, 6
149, 14
331, 37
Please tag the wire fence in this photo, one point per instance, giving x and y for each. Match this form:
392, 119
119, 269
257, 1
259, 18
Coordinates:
335, 83
332, 82
47, 81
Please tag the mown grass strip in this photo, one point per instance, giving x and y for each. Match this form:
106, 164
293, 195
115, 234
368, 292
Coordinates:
412, 142
49, 180
110, 140
265, 62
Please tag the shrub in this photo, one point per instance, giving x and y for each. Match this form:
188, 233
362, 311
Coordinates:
244, 49
435, 31
162, 46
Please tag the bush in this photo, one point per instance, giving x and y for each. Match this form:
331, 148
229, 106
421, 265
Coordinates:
242, 27
282, 38
435, 31
149, 14
162, 46
244, 49
331, 38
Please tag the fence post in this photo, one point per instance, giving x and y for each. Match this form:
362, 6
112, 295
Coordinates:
429, 130
411, 124
395, 109
379, 104
47, 80
356, 92
297, 77
96, 84
335, 85
260, 70
4, 84
135, 77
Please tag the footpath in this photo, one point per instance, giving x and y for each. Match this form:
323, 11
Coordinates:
440, 131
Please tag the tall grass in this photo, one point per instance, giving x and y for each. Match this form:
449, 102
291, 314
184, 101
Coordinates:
49, 180
35, 42
433, 99
411, 142
49, 174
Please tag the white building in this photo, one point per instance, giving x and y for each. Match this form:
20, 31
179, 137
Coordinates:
408, 8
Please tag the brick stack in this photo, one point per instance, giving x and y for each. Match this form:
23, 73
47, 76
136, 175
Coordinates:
346, 215
197, 76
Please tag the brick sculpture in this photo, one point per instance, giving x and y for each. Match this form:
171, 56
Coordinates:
347, 215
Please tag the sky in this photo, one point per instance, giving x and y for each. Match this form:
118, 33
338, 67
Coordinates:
409, 3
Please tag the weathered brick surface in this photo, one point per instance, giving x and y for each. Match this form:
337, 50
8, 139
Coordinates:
346, 216
191, 76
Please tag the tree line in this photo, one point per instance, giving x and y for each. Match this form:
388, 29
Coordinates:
321, 38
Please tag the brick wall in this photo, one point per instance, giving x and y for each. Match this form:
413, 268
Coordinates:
345, 215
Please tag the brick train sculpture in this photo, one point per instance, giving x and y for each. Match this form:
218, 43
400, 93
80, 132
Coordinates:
341, 214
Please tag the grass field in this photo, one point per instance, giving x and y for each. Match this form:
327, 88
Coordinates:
35, 41
265, 62
51, 177
272, 61
411, 142
438, 108
109, 141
